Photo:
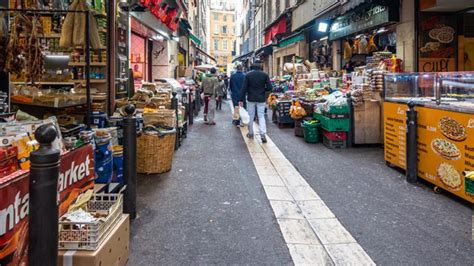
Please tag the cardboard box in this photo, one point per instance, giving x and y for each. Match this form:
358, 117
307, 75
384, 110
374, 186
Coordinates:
113, 251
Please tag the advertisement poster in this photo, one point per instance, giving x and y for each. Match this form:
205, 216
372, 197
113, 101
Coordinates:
76, 175
395, 133
437, 43
446, 149
14, 218
445, 146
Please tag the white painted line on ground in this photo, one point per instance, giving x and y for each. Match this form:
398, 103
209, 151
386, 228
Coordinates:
313, 234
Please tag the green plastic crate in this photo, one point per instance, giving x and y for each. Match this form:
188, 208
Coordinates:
343, 109
317, 116
332, 125
310, 132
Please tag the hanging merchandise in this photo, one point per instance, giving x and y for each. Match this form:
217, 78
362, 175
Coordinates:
371, 47
15, 61
356, 46
3, 40
74, 28
347, 50
34, 57
363, 45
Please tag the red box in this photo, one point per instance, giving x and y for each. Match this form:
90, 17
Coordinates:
335, 135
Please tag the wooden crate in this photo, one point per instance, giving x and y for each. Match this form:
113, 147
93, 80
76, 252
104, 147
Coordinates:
367, 129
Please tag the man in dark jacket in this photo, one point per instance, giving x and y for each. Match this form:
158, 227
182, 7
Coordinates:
235, 85
256, 83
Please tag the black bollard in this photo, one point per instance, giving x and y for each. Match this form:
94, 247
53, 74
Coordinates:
174, 106
130, 162
411, 144
43, 202
190, 108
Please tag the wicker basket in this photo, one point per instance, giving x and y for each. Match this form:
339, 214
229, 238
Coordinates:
162, 117
155, 153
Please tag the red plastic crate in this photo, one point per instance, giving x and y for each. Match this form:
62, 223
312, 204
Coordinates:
335, 135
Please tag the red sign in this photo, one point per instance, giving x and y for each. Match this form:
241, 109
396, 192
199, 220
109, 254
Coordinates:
76, 175
162, 10
14, 218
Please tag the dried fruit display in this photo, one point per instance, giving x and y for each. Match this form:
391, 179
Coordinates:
34, 56
15, 61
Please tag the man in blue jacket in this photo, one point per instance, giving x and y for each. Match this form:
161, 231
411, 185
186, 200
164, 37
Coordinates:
254, 88
235, 85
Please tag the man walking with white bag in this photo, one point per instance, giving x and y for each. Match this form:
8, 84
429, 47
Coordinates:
256, 83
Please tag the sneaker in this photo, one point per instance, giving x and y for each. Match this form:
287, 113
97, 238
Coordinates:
250, 136
212, 123
264, 139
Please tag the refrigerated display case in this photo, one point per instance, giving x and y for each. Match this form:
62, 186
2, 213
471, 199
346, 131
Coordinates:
445, 106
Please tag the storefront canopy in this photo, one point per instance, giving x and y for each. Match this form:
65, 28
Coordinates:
264, 50
243, 57
194, 39
206, 54
291, 39
279, 27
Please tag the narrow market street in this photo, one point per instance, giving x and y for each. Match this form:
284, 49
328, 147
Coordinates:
220, 205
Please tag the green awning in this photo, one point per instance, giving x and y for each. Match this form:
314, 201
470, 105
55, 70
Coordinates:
194, 39
291, 40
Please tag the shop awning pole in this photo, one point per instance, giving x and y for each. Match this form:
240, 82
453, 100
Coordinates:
87, 71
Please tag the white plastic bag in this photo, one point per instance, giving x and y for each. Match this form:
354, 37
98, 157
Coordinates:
244, 116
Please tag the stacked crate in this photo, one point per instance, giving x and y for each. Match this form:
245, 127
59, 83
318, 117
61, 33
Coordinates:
335, 124
283, 113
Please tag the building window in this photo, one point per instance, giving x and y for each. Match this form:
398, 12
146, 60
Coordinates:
216, 44
224, 45
216, 16
216, 30
225, 18
287, 3
224, 29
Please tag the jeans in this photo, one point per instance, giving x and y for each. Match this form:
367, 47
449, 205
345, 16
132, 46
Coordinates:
211, 114
261, 117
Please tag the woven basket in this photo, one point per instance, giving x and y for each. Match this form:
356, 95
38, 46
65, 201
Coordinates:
155, 153
162, 117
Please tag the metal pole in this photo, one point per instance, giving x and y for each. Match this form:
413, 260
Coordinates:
43, 203
130, 162
411, 144
190, 108
87, 70
174, 105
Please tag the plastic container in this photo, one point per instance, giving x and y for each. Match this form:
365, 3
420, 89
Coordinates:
89, 235
99, 119
335, 135
332, 125
103, 162
334, 144
340, 109
311, 132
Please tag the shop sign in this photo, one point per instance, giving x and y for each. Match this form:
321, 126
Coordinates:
14, 219
165, 11
445, 146
437, 43
437, 64
76, 175
362, 19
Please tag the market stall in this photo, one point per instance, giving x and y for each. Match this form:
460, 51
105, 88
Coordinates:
444, 105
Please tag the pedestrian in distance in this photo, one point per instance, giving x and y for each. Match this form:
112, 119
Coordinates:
256, 84
235, 86
210, 85
220, 92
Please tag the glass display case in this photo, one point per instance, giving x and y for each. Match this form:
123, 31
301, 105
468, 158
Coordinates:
449, 90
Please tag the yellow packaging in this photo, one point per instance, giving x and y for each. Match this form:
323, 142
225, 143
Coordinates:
26, 144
